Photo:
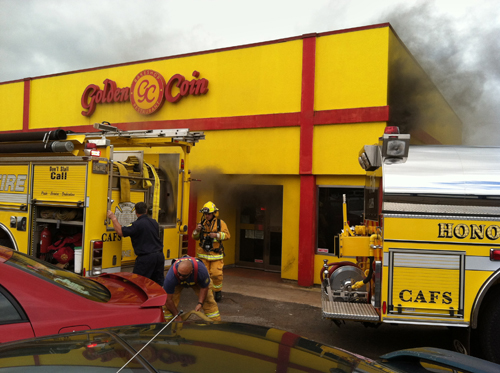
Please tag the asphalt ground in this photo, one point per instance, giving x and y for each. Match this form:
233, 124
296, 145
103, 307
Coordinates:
263, 298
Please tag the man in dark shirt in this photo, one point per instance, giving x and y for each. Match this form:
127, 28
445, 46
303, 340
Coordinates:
189, 272
145, 236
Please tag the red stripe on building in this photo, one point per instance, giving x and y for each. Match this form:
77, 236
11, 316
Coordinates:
339, 116
26, 105
355, 115
222, 123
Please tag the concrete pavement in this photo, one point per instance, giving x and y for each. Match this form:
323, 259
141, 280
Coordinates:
268, 285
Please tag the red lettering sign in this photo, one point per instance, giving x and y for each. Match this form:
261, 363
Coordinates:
146, 94
93, 95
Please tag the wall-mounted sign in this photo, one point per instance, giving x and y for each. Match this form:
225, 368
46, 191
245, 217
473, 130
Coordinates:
146, 94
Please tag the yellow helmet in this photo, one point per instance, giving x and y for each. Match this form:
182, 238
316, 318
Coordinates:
209, 208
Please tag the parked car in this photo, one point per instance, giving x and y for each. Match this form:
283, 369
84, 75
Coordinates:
213, 347
38, 298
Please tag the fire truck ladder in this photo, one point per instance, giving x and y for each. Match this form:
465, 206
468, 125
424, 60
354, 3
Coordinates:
108, 131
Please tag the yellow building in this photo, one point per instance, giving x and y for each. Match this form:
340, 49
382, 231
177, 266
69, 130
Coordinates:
284, 121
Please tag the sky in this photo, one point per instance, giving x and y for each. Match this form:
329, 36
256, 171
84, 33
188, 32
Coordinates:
456, 42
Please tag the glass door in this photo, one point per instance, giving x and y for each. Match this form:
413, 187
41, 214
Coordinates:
260, 217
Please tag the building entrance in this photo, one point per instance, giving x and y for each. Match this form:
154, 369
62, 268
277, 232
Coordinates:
259, 227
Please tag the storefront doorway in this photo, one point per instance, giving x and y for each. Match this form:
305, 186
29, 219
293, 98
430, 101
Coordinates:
259, 227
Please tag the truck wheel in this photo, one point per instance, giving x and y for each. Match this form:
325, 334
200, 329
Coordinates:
488, 334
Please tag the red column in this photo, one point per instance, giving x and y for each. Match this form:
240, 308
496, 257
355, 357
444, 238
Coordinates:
307, 222
307, 230
26, 104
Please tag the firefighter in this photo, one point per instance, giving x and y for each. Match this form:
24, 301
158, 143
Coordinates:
144, 233
211, 231
189, 272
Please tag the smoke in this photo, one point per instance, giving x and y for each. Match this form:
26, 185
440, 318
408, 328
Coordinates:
461, 58
232, 187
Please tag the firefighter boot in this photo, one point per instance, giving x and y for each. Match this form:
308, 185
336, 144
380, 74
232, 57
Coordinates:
218, 296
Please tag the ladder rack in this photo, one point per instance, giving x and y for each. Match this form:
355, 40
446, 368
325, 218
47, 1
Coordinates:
108, 131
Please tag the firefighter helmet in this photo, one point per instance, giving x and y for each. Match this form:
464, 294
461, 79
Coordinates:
209, 208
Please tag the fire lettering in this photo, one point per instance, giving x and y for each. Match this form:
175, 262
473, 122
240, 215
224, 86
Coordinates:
461, 231
445, 230
401, 296
493, 232
477, 231
447, 297
107, 237
434, 296
474, 231
406, 296
58, 173
13, 183
420, 297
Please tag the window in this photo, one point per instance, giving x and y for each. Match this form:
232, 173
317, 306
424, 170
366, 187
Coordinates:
330, 215
8, 312
169, 175
70, 281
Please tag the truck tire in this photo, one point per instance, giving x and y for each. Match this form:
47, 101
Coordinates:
488, 332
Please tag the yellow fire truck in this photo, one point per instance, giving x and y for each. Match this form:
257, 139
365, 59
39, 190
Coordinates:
428, 252
56, 188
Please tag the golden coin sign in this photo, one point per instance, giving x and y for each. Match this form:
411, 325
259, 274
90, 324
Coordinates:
147, 92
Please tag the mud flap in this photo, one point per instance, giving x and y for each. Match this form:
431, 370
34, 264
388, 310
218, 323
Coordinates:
461, 340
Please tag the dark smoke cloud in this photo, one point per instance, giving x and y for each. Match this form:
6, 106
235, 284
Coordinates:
461, 59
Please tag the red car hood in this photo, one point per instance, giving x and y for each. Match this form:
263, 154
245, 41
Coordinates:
126, 287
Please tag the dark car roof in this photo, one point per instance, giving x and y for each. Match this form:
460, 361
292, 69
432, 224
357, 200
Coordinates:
191, 346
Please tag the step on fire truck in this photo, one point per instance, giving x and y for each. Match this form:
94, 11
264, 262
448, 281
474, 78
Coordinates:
56, 188
428, 252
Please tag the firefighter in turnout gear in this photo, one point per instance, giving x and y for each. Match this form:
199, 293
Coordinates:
211, 231
189, 272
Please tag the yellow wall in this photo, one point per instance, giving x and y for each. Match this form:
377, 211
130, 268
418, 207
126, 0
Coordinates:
336, 147
352, 70
11, 106
341, 180
248, 81
249, 151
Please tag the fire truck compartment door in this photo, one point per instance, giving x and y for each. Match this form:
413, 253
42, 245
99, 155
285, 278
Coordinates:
59, 183
426, 283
